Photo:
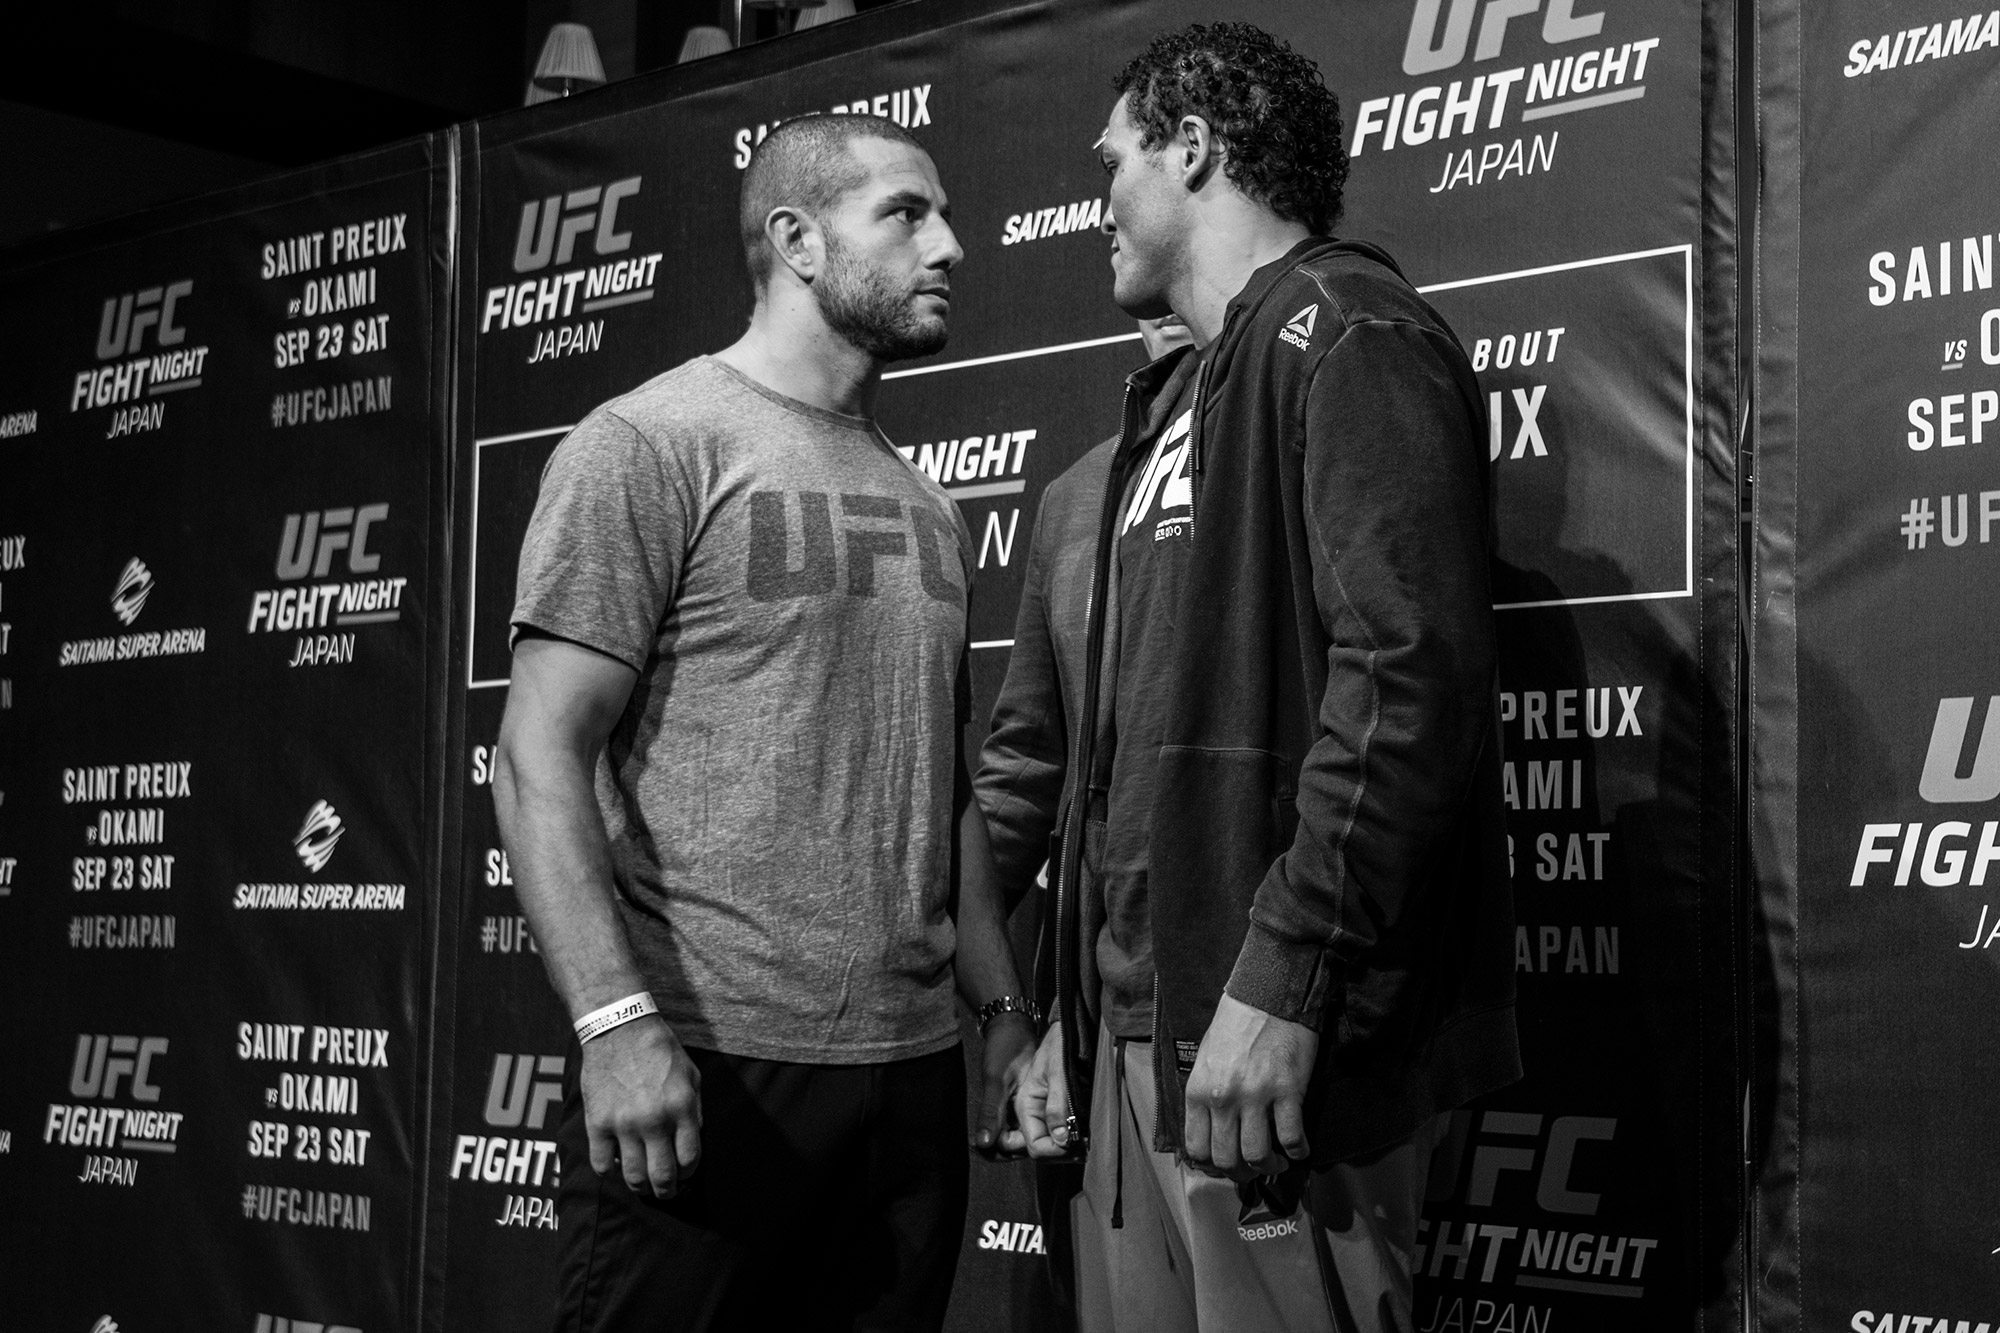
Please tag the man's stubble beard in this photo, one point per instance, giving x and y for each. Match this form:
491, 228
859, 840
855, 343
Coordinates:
863, 307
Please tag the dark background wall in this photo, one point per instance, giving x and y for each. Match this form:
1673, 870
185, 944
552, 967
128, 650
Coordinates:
119, 105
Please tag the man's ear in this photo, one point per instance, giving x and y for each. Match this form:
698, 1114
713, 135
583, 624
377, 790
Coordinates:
1197, 152
795, 237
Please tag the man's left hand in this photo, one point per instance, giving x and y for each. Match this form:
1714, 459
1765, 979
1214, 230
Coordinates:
1009, 1048
1246, 1097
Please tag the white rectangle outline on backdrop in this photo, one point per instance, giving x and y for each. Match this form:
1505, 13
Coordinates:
1687, 305
472, 564
1686, 252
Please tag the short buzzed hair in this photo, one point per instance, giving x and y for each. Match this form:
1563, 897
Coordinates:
805, 163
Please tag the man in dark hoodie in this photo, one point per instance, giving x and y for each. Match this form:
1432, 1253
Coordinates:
1022, 766
1280, 944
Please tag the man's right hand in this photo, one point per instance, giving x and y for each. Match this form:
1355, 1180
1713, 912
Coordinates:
642, 1106
1041, 1103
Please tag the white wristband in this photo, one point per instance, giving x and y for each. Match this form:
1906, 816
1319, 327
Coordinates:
600, 1021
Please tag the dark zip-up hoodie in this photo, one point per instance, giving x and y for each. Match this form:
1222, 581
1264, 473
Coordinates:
1327, 837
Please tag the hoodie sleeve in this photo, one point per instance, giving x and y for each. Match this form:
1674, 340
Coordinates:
1395, 493
1020, 778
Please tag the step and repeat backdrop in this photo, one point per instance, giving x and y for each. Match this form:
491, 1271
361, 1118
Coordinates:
1558, 182
221, 615
284, 1055
1877, 729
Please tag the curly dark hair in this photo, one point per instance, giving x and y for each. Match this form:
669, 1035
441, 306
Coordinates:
1264, 101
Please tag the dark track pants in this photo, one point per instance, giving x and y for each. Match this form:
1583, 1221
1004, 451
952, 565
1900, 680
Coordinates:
828, 1197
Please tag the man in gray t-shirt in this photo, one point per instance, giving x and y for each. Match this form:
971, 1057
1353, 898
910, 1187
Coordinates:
730, 785
778, 793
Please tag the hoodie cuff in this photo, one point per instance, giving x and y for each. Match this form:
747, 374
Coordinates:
1287, 979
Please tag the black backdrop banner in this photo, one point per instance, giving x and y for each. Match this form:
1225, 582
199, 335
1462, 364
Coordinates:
1877, 731
1559, 182
224, 516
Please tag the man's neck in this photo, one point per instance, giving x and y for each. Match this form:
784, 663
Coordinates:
1231, 239
789, 349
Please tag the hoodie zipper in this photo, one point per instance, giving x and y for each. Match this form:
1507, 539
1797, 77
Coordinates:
1158, 1089
1194, 501
1194, 465
1082, 758
1079, 795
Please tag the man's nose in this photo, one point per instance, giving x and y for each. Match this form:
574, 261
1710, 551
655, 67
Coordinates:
951, 252
1110, 224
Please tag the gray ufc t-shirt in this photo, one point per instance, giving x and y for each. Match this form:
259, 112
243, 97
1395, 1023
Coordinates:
778, 794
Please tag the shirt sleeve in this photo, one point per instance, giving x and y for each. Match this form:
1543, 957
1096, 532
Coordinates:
1021, 765
602, 559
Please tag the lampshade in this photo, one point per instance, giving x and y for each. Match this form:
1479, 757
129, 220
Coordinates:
832, 11
783, 4
702, 42
569, 60
535, 94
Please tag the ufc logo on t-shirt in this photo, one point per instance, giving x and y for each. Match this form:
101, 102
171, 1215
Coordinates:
1165, 477
864, 531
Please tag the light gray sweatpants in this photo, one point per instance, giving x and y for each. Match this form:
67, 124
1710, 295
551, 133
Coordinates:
1201, 1254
